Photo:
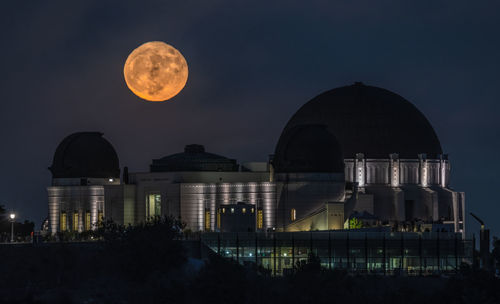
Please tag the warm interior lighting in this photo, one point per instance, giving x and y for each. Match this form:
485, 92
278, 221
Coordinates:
218, 219
260, 219
63, 222
75, 221
293, 214
87, 221
207, 219
244, 210
153, 205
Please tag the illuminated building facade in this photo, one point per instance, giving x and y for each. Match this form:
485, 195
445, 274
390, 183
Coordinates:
192, 185
380, 152
353, 150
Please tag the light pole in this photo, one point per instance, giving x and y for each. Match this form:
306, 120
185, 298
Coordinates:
12, 219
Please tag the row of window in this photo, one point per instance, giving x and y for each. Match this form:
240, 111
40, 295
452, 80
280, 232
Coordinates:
260, 217
243, 210
64, 222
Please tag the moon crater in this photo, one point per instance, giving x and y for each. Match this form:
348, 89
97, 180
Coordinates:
155, 71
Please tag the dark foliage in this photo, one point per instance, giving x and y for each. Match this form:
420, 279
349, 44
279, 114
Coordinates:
148, 264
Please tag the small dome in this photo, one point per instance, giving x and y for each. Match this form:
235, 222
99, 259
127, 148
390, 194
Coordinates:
370, 120
194, 158
85, 154
308, 148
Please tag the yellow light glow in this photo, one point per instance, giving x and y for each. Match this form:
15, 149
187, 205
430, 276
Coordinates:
75, 221
87, 221
63, 224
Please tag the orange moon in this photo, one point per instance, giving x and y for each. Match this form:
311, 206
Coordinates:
155, 71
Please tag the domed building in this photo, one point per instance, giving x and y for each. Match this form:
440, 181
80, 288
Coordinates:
85, 154
193, 185
85, 183
394, 166
194, 158
354, 151
309, 175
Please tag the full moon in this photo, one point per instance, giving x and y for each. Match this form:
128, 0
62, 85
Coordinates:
155, 71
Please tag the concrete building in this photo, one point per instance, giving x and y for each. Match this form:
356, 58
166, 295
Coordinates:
394, 166
355, 150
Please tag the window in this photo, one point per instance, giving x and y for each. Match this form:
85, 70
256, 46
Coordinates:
293, 214
87, 220
223, 210
75, 221
260, 219
63, 222
244, 210
153, 205
218, 218
232, 210
207, 219
252, 210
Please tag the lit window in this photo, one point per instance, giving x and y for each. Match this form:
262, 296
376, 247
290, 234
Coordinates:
260, 219
223, 210
153, 205
207, 219
244, 210
111, 180
293, 214
87, 221
218, 219
252, 210
232, 210
62, 222
75, 221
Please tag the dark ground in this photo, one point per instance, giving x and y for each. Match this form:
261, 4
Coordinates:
145, 265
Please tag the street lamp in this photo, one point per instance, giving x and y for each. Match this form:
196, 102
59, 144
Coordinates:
12, 219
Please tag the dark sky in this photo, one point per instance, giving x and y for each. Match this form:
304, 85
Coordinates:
251, 67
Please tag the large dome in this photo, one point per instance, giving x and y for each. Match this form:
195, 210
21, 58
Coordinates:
85, 154
308, 148
370, 120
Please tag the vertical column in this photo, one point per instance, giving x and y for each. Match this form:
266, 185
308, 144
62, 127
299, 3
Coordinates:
424, 170
394, 170
360, 173
237, 248
256, 250
274, 253
462, 200
54, 209
384, 262
443, 176
329, 250
456, 219
366, 253
348, 251
293, 252
420, 254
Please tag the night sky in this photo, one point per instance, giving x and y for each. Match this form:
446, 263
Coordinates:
251, 67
